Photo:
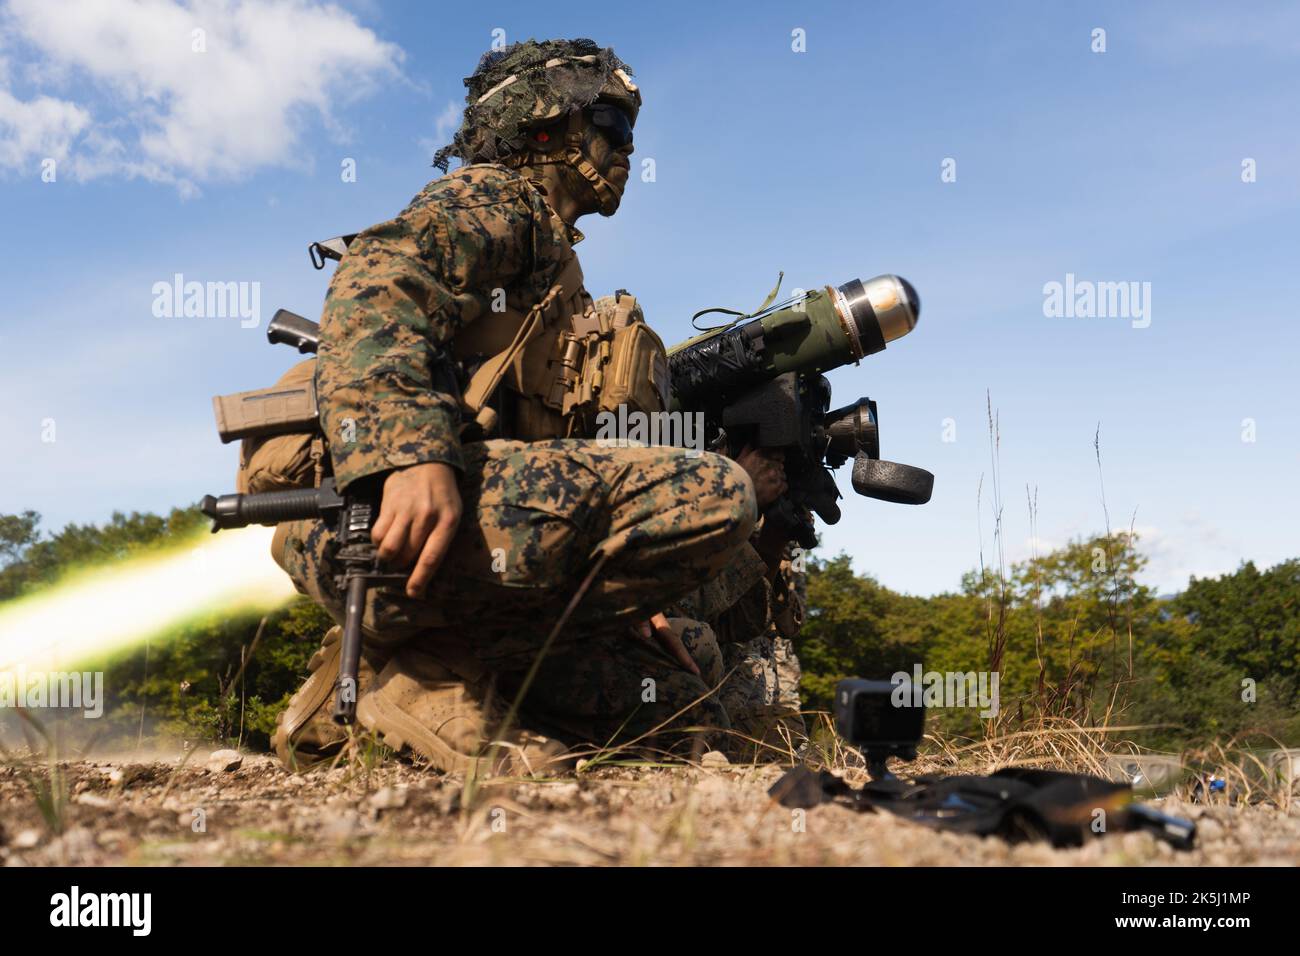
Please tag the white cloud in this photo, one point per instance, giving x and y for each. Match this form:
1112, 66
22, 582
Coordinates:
37, 129
164, 111
1187, 546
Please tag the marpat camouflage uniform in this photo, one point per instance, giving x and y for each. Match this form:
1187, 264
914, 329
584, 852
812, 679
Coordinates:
747, 623
536, 514
791, 609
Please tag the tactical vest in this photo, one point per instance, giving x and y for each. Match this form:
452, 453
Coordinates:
533, 375
561, 363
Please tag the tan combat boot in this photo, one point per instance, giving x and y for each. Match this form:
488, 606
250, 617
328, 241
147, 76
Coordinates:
416, 702
305, 732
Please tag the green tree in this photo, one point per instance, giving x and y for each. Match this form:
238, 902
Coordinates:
1225, 658
847, 631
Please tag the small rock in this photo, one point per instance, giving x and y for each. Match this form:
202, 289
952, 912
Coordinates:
26, 839
94, 800
388, 798
225, 761
1034, 854
127, 775
344, 826
112, 837
560, 795
77, 842
1140, 844
448, 798
715, 760
1092, 851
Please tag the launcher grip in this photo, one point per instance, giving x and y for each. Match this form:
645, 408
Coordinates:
792, 523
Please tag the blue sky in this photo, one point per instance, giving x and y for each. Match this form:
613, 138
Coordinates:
1117, 166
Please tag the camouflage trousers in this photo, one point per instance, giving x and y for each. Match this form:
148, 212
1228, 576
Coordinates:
536, 516
756, 682
768, 674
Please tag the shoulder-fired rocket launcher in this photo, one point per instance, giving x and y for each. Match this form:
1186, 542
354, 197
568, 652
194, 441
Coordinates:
758, 381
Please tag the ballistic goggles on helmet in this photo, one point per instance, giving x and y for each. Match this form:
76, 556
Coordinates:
612, 122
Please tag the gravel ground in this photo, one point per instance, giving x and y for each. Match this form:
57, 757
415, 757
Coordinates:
123, 812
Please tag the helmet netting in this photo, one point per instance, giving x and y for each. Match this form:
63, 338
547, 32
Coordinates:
513, 89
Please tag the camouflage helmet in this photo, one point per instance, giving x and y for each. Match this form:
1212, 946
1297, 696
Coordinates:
530, 84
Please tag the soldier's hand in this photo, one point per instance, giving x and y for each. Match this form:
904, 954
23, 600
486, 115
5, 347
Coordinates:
417, 520
766, 467
658, 630
771, 542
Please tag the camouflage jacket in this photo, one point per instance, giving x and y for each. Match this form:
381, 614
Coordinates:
386, 379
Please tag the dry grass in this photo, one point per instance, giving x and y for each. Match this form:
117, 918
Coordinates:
617, 809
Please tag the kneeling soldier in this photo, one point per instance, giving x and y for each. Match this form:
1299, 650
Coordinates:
460, 368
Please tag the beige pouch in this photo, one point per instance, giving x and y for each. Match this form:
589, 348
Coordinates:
623, 363
281, 462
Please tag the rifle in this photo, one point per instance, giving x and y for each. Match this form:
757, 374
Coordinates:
279, 411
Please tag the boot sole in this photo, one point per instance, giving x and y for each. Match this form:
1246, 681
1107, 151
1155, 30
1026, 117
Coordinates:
311, 697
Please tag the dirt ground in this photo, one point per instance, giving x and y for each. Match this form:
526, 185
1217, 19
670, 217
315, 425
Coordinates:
161, 812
